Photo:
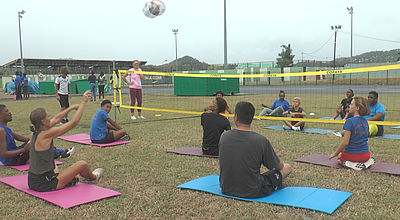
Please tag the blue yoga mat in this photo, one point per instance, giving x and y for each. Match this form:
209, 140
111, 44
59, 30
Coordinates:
395, 127
330, 118
306, 130
323, 200
325, 131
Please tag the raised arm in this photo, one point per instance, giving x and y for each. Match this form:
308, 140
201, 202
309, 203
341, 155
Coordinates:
57, 131
58, 117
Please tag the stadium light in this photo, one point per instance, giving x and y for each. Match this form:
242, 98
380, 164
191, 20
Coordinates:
175, 31
351, 35
225, 39
335, 28
20, 13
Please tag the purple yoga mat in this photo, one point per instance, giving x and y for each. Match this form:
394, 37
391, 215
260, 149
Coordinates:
79, 194
85, 139
321, 159
193, 151
26, 166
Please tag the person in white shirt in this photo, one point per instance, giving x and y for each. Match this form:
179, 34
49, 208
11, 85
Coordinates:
62, 88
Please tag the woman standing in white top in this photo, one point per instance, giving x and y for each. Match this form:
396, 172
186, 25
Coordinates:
135, 88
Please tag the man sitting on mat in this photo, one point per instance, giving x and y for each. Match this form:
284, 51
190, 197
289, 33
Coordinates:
354, 152
214, 125
105, 130
10, 153
377, 114
241, 153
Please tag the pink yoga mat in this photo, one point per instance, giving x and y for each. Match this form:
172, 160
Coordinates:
321, 159
26, 166
79, 194
85, 139
193, 151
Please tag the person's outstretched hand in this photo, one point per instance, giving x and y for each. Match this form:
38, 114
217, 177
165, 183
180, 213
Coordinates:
86, 96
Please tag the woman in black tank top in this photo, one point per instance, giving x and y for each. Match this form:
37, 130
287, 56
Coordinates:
43, 173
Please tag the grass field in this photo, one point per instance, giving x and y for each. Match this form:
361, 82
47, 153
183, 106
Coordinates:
147, 176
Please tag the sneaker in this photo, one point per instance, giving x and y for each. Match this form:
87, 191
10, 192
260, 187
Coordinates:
296, 128
354, 165
98, 172
141, 116
334, 134
133, 117
68, 152
369, 163
125, 138
285, 127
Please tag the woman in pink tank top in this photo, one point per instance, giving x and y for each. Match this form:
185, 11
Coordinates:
135, 88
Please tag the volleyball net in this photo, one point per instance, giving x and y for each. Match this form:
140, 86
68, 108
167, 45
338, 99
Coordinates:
320, 90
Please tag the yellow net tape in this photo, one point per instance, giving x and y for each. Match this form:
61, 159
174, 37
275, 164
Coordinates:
327, 72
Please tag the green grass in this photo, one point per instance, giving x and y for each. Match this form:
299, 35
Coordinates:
147, 176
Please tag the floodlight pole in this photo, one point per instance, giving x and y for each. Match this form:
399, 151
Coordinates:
20, 13
175, 31
351, 35
335, 28
225, 39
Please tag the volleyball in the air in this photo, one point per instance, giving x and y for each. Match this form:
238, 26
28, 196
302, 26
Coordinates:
154, 8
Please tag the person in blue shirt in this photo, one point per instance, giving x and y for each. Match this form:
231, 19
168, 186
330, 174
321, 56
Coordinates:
10, 153
354, 152
377, 113
25, 86
105, 130
280, 105
17, 83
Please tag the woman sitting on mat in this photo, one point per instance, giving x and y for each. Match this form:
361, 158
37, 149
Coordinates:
43, 173
353, 152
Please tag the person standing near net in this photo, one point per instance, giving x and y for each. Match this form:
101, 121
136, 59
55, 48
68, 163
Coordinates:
354, 152
295, 112
377, 113
17, 83
92, 85
280, 105
213, 125
43, 174
135, 88
343, 108
62, 88
241, 154
102, 84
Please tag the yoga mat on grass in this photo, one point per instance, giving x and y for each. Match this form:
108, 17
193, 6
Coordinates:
26, 166
323, 160
330, 118
306, 130
396, 127
69, 197
192, 151
85, 139
323, 200
325, 131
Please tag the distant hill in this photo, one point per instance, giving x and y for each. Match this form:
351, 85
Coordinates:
373, 57
185, 63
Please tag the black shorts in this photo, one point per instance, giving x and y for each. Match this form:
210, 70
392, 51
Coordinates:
64, 101
101, 88
107, 139
380, 130
20, 159
210, 150
43, 182
270, 182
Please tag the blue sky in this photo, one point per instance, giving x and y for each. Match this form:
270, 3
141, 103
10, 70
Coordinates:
118, 29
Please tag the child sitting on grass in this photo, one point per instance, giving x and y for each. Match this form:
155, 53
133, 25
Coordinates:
354, 152
295, 112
